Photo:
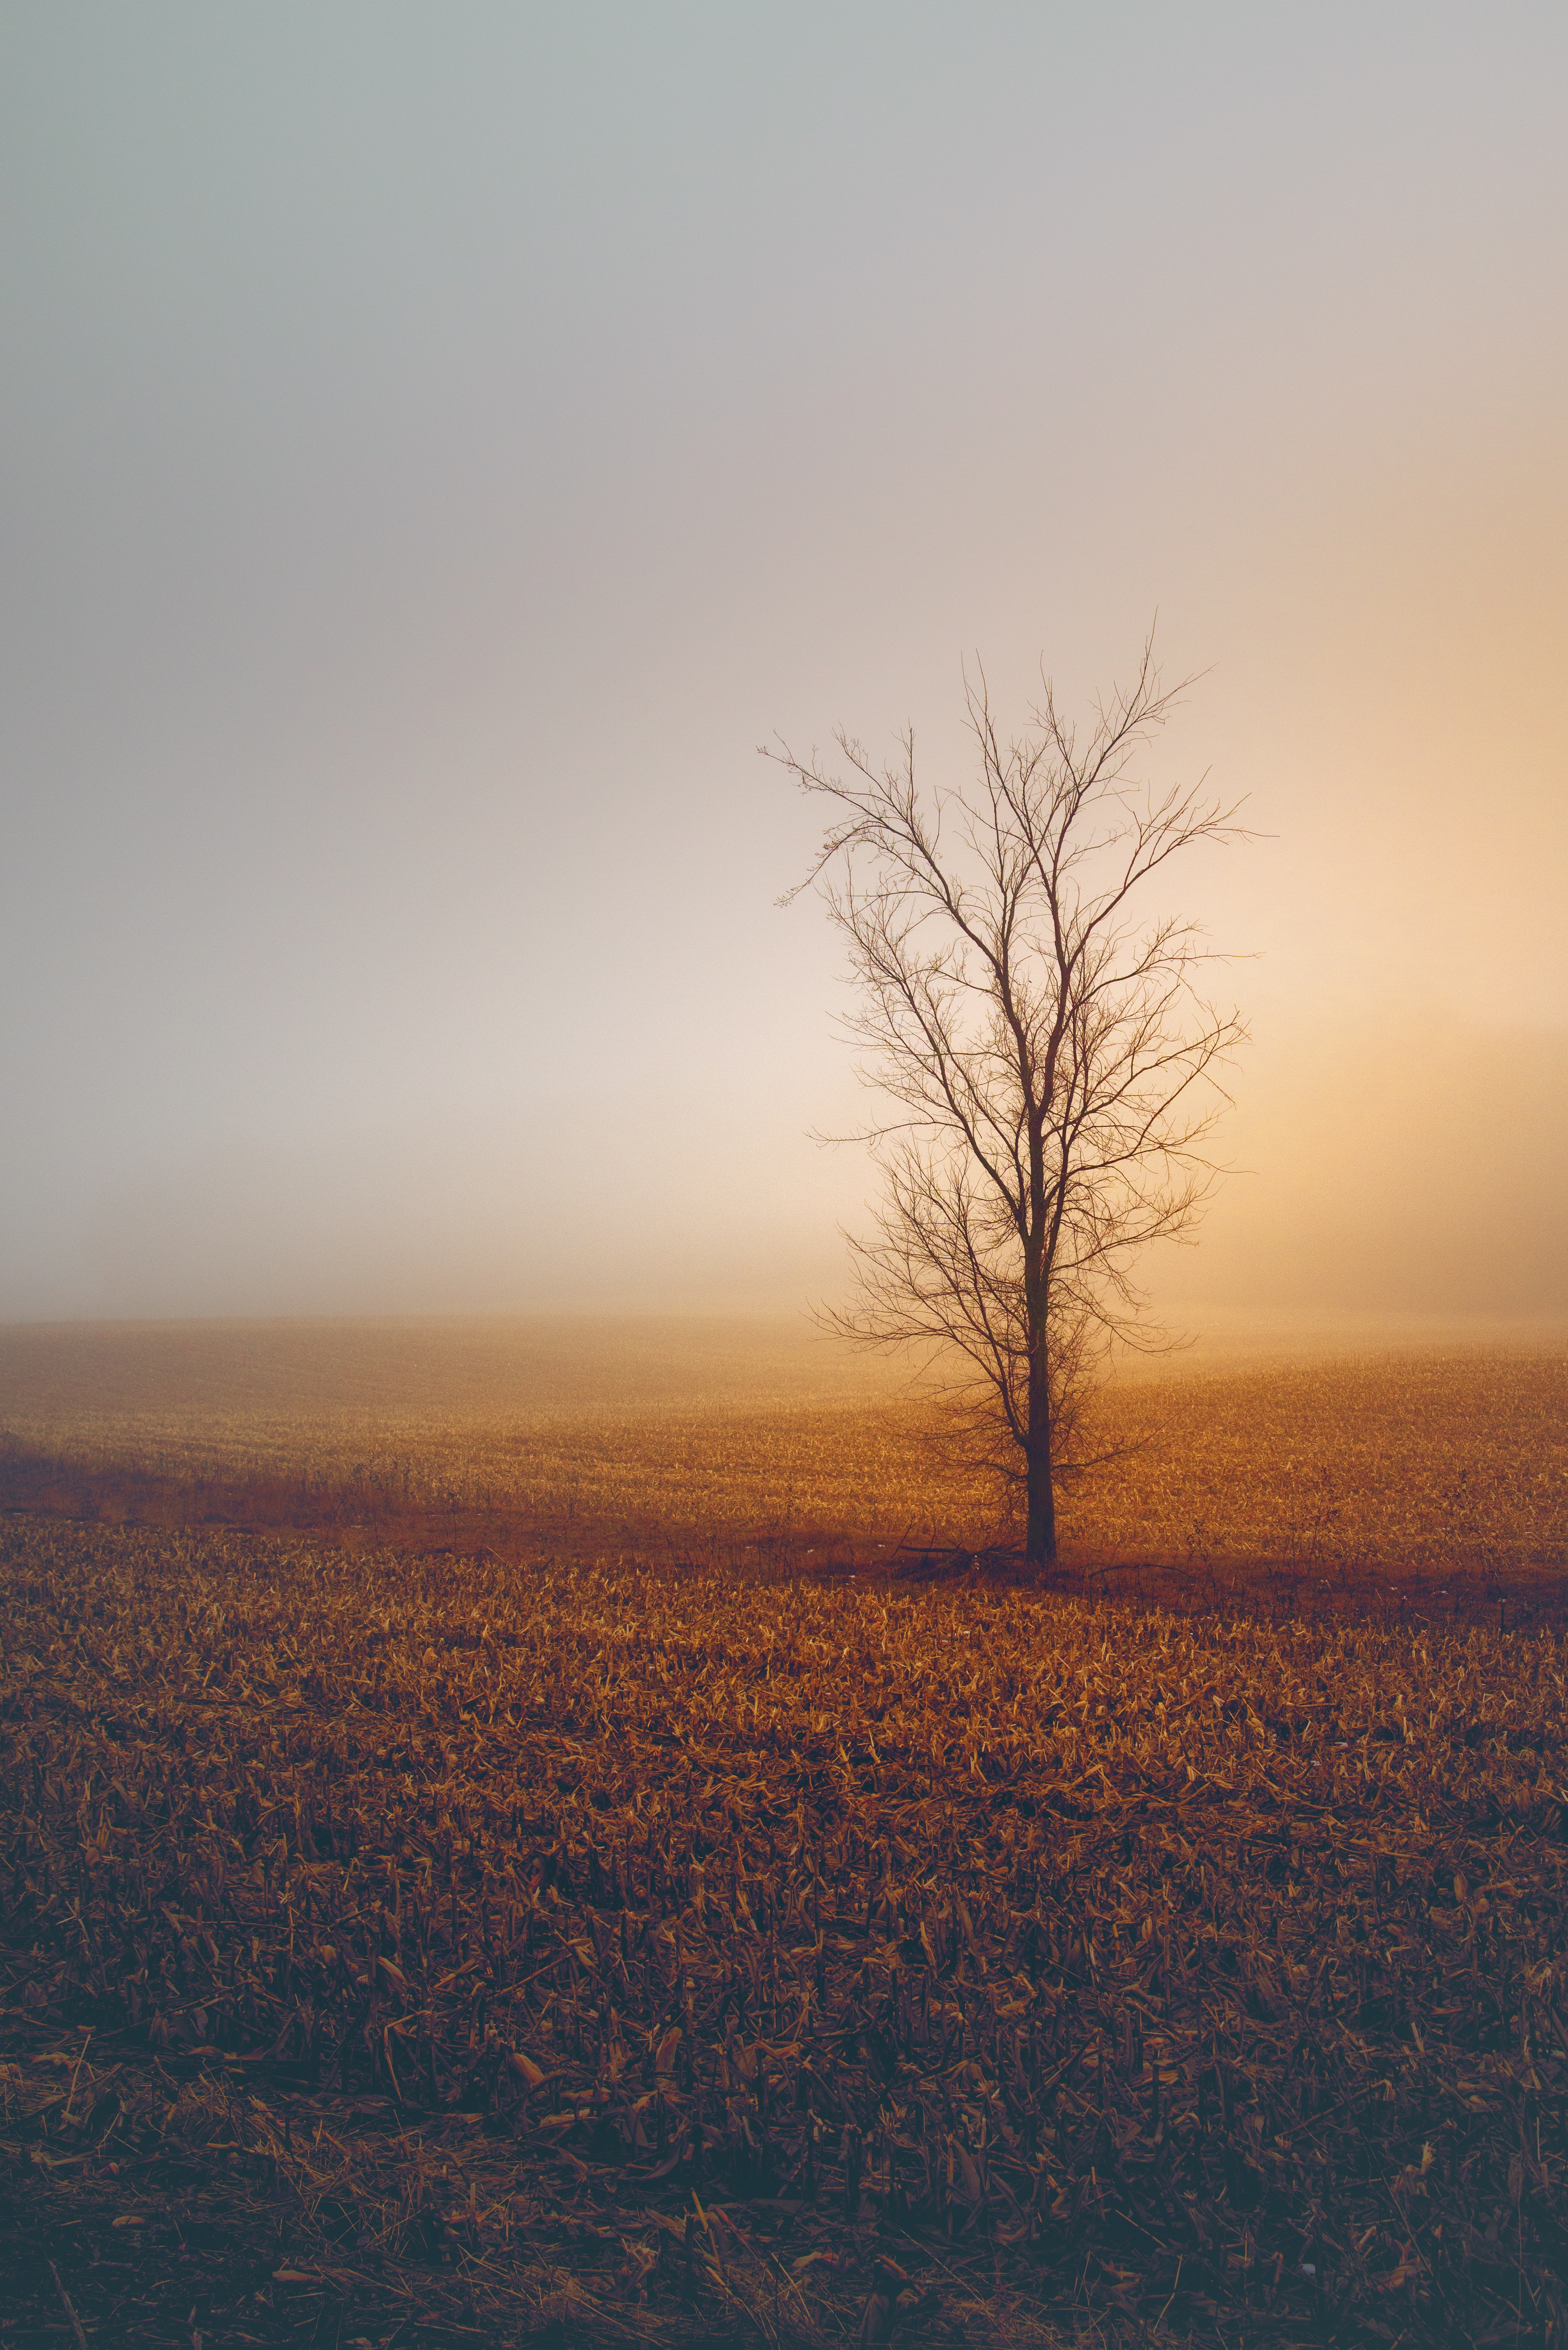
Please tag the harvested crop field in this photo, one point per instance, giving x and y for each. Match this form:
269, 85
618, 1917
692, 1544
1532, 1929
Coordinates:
1438, 1480
434, 1949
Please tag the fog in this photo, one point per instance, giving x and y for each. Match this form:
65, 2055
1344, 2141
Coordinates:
1405, 1169
441, 446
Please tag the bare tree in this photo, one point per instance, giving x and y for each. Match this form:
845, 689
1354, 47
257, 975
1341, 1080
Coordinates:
1050, 1061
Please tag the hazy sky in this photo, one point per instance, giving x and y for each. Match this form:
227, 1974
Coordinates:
442, 443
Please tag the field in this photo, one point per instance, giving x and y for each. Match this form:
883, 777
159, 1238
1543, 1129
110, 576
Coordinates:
1436, 1477
639, 1927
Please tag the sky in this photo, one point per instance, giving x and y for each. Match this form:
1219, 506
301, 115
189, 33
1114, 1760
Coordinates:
439, 445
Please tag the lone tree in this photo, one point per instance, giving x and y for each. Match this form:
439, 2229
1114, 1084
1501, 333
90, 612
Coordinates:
1048, 1055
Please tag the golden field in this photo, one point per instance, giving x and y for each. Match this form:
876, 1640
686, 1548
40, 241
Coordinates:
502, 1840
432, 1949
745, 1445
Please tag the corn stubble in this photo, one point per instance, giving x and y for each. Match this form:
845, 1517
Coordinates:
1444, 1476
569, 1955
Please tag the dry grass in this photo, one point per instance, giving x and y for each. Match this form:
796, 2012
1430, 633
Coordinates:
1418, 1461
744, 1447
431, 1950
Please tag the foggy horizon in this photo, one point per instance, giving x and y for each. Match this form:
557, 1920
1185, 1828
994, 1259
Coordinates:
442, 450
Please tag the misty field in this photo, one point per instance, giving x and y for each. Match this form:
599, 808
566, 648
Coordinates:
430, 1950
504, 1839
1440, 1475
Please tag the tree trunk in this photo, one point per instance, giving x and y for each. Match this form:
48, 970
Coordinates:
1040, 1537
